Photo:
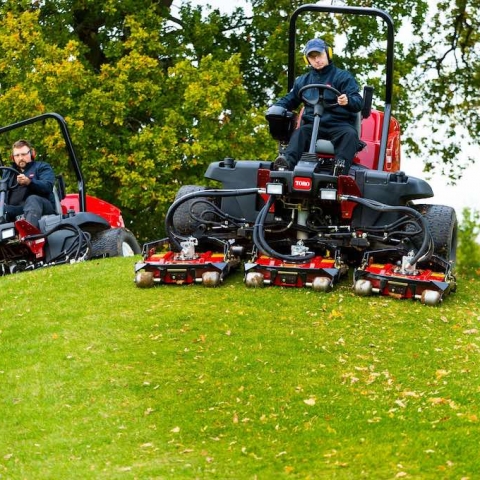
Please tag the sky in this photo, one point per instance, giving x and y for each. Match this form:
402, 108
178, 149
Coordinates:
462, 195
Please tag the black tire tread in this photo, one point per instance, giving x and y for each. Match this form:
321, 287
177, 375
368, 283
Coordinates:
442, 221
183, 222
108, 243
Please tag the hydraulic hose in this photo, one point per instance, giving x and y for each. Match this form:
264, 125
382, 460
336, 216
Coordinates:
426, 249
172, 235
262, 245
76, 250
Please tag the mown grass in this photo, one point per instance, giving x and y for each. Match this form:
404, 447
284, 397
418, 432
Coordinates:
102, 380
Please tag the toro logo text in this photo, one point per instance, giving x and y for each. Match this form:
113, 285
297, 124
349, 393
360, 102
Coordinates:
302, 183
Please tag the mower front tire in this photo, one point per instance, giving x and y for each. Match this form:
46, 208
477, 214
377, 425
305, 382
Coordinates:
442, 222
183, 222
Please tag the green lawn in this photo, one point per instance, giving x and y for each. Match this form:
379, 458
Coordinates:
102, 380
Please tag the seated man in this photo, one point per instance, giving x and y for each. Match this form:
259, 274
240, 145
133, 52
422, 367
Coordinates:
33, 197
337, 122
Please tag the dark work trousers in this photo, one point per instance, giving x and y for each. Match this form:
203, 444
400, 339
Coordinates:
344, 139
34, 207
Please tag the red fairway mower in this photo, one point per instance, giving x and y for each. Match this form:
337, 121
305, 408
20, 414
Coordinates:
83, 227
307, 227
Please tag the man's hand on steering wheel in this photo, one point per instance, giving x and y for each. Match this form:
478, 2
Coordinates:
342, 100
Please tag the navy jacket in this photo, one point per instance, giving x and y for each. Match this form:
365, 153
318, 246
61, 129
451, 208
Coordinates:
335, 77
42, 179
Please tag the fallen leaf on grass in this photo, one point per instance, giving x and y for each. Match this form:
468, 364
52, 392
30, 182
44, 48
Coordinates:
334, 314
309, 401
441, 373
442, 401
175, 429
410, 394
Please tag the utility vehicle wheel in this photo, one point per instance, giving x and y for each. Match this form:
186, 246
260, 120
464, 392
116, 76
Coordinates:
144, 279
321, 284
183, 222
254, 280
363, 287
430, 297
211, 279
442, 222
115, 242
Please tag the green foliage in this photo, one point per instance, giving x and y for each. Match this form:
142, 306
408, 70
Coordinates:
449, 78
149, 120
102, 380
468, 255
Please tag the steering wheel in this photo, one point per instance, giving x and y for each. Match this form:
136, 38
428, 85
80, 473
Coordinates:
320, 98
10, 182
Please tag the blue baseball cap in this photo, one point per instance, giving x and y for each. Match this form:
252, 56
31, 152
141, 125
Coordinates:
315, 45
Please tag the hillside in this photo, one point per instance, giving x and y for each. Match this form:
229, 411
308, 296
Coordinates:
101, 379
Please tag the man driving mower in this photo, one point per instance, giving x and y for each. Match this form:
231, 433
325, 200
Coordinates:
337, 123
33, 194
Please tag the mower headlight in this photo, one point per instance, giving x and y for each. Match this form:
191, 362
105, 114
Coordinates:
274, 188
8, 233
328, 194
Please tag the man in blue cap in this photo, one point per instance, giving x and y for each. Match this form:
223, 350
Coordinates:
337, 121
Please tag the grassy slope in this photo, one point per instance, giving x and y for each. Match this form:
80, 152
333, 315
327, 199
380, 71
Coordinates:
100, 379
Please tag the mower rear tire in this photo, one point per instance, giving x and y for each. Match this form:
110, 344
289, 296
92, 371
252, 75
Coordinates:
183, 222
363, 287
211, 279
321, 284
430, 297
254, 280
144, 279
115, 242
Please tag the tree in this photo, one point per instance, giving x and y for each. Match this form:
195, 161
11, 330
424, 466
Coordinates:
153, 93
448, 77
146, 111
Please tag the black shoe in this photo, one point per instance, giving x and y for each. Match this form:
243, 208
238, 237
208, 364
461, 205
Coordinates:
281, 163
